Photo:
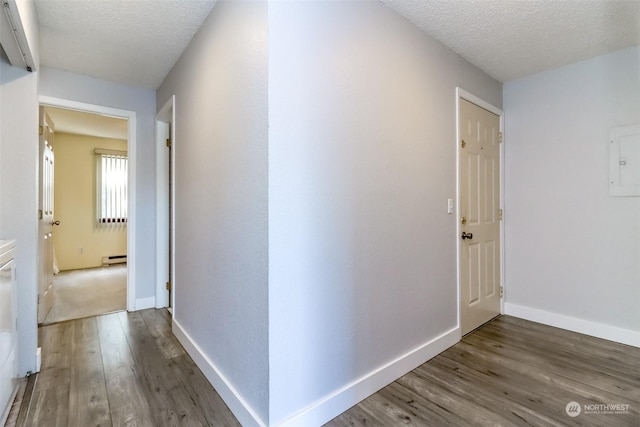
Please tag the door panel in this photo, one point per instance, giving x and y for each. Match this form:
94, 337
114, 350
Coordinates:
490, 268
45, 227
479, 169
473, 276
473, 196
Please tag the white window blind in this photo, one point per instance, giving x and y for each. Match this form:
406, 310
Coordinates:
112, 187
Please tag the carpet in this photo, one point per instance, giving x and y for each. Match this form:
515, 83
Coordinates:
90, 292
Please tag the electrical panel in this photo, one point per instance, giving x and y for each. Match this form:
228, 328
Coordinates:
624, 161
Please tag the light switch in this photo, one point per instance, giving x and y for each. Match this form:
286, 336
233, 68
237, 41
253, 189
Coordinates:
450, 206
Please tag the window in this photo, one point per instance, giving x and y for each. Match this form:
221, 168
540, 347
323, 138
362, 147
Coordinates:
112, 187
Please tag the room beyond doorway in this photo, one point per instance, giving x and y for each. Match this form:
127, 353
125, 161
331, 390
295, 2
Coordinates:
89, 292
90, 195
130, 117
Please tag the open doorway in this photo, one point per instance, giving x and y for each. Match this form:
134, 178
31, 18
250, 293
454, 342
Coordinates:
165, 206
92, 233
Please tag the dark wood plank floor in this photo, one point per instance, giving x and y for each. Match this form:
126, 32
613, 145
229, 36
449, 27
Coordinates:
127, 369
121, 369
512, 372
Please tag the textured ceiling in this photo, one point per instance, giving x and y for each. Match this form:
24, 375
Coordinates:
135, 42
82, 123
509, 39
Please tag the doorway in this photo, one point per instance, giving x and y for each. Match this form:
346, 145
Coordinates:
46, 220
165, 206
480, 211
106, 253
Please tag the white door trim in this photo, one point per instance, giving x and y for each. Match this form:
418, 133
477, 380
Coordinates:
131, 147
165, 120
462, 94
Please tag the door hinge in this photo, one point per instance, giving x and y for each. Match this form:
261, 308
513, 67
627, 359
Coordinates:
501, 291
40, 130
168, 286
500, 137
463, 143
500, 214
169, 142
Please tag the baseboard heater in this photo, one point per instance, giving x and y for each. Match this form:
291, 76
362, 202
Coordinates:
114, 259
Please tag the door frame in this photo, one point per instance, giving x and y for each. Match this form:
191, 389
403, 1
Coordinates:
165, 127
48, 101
462, 94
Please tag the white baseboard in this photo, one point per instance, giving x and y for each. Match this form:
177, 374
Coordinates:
611, 333
225, 389
332, 405
144, 303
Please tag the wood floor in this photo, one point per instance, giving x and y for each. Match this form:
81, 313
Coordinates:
511, 372
127, 369
121, 369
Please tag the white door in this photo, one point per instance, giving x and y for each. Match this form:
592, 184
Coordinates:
479, 181
45, 276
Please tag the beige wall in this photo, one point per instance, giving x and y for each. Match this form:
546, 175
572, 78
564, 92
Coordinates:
79, 242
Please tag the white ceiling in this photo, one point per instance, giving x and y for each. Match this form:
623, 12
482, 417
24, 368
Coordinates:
509, 39
135, 42
82, 123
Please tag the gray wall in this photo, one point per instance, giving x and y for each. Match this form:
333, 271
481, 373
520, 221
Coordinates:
75, 87
313, 244
221, 276
362, 159
571, 249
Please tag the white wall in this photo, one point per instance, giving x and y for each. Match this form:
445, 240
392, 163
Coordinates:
572, 251
220, 84
74, 87
19, 180
18, 195
362, 159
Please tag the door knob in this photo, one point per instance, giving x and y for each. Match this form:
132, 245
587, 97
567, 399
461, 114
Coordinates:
55, 222
466, 235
